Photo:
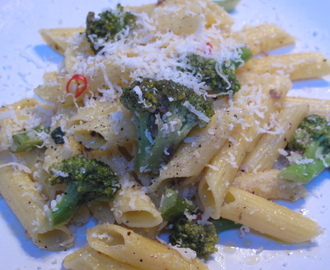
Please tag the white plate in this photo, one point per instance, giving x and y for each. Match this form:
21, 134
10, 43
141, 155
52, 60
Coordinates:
24, 57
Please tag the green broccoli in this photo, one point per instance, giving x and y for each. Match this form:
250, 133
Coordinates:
223, 224
228, 5
312, 140
200, 238
164, 113
107, 26
58, 135
87, 180
221, 78
172, 206
28, 139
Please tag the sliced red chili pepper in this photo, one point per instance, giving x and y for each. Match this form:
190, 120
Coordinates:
210, 47
77, 83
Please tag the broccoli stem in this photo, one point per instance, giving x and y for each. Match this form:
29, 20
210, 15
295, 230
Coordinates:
305, 172
245, 56
163, 145
173, 206
144, 140
228, 5
170, 143
29, 139
67, 206
223, 224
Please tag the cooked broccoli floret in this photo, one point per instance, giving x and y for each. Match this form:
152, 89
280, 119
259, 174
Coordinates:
312, 140
28, 139
164, 113
189, 234
58, 135
107, 26
87, 180
221, 78
173, 206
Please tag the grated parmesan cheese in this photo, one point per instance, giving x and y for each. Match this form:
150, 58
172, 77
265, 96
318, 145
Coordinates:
186, 253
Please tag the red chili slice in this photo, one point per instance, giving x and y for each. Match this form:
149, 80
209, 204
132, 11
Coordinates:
78, 83
210, 47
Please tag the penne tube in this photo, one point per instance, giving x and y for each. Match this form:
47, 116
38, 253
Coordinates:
87, 258
266, 184
216, 15
81, 216
133, 207
264, 37
22, 115
268, 217
173, 15
168, 18
58, 152
24, 198
33, 159
222, 169
316, 105
147, 8
102, 212
125, 246
58, 38
262, 95
103, 126
179, 67
266, 151
106, 75
53, 89
106, 72
299, 66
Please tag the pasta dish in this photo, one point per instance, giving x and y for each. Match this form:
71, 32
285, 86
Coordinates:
166, 127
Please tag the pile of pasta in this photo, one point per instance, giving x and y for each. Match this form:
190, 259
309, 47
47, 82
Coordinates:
228, 167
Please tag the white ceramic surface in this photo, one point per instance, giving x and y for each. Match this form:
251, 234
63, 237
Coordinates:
24, 57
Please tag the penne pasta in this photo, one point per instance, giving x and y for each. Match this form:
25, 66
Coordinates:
29, 208
22, 115
123, 245
102, 126
102, 213
266, 151
268, 185
58, 38
222, 169
133, 207
316, 105
148, 8
87, 258
161, 119
81, 216
299, 66
267, 217
264, 37
58, 152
